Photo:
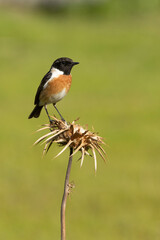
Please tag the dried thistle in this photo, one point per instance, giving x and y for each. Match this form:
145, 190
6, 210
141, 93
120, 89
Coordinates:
74, 136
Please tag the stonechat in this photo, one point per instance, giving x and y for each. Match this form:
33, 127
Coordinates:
54, 86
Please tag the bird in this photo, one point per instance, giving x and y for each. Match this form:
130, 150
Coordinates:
54, 86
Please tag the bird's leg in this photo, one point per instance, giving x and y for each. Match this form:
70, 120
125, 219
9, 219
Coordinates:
58, 112
45, 107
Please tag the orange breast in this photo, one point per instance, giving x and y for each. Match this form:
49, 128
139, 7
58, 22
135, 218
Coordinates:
54, 87
58, 84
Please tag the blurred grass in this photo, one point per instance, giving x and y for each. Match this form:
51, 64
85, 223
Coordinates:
116, 89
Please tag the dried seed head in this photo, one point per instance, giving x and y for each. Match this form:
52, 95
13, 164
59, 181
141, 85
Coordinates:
72, 135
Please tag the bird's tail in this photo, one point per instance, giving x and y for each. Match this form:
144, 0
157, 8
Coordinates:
36, 112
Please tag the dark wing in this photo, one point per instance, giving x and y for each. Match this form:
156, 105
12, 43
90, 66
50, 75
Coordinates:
40, 88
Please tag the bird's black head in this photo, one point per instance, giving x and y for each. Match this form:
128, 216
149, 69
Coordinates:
64, 64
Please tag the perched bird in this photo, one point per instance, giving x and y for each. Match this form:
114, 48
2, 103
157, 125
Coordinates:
54, 86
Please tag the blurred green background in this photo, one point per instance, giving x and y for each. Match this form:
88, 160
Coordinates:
116, 88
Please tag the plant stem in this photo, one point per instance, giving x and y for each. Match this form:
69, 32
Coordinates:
64, 199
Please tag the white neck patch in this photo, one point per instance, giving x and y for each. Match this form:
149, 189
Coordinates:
55, 74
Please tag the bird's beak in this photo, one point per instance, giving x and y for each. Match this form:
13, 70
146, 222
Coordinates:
75, 63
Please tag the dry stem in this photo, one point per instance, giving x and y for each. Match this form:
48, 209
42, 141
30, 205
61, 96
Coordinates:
65, 194
76, 138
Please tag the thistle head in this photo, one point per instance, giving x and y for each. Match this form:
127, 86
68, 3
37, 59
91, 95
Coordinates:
72, 135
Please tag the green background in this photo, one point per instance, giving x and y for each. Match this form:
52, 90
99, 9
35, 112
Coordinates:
116, 89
